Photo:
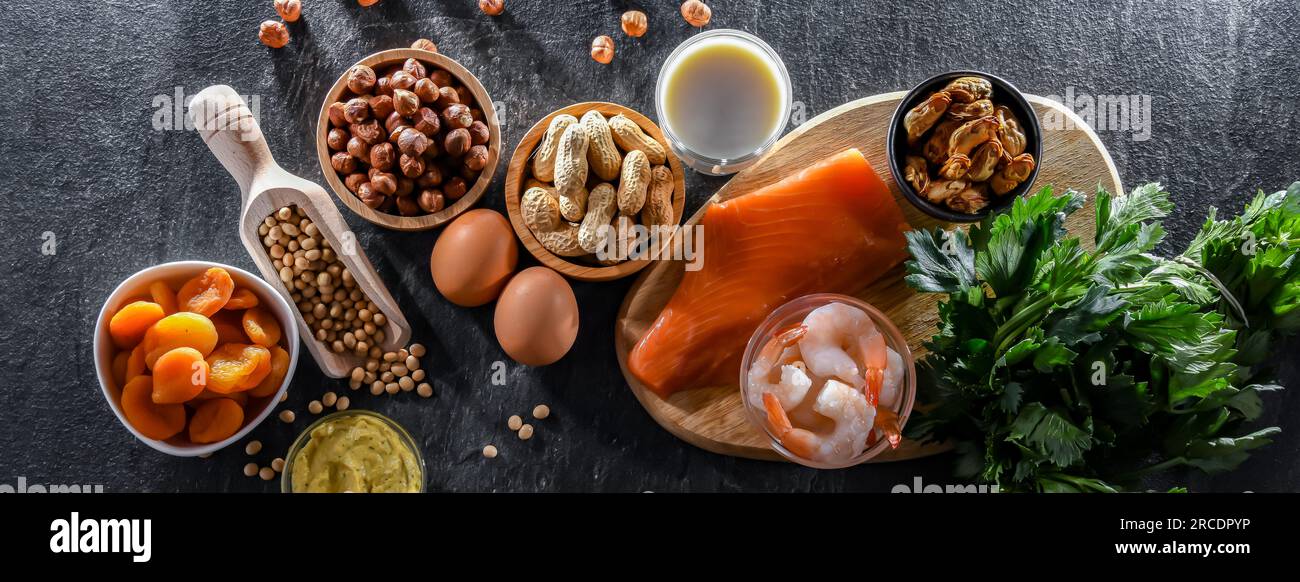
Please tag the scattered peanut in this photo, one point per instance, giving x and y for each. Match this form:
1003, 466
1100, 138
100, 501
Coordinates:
490, 452
315, 407
343, 403
250, 469
266, 473
287, 416
514, 422
277, 465
525, 432
424, 390
329, 399
541, 411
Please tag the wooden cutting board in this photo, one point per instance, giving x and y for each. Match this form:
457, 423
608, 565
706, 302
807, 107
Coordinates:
714, 418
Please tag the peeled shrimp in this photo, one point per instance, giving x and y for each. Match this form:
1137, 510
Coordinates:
833, 329
781, 351
844, 406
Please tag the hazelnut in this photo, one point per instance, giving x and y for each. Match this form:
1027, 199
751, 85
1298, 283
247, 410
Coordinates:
412, 166
369, 131
427, 122
358, 148
397, 132
361, 79
381, 106
353, 181
468, 175
289, 10
337, 118
357, 110
476, 158
383, 183
602, 49
476, 113
425, 44
455, 188
382, 156
457, 116
337, 139
343, 163
464, 94
431, 177
405, 186
696, 13
388, 204
405, 102
446, 96
369, 196
273, 33
384, 86
441, 77
456, 143
426, 90
415, 68
492, 7
634, 23
431, 201
479, 133
407, 206
394, 121
412, 143
432, 152
403, 80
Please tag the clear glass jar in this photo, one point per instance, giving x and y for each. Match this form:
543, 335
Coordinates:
286, 476
702, 162
794, 312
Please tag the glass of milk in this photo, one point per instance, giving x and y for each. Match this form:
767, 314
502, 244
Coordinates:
723, 98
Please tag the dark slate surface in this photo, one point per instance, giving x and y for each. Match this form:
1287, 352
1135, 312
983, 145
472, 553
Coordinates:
83, 161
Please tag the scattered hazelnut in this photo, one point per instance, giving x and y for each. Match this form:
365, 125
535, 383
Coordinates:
492, 7
696, 13
425, 44
273, 33
490, 452
634, 23
289, 10
602, 49
431, 201
361, 79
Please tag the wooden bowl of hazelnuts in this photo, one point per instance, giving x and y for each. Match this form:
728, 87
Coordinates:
408, 139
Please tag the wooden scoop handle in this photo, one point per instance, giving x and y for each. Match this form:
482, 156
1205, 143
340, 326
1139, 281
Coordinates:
231, 131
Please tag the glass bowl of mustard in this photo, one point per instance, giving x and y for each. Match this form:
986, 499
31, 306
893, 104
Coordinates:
353, 451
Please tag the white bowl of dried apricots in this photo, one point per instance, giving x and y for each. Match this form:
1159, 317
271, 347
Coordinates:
193, 355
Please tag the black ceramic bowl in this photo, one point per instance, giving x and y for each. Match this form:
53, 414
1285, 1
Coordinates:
1004, 93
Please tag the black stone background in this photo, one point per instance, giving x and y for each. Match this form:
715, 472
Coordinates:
80, 159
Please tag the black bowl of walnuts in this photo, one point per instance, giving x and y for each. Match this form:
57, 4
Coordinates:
408, 139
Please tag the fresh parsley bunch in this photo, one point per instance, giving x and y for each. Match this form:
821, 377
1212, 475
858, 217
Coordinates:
1058, 367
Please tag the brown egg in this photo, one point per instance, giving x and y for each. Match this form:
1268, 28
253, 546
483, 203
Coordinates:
537, 317
474, 257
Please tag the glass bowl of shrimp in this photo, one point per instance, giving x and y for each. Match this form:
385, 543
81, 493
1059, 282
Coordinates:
830, 380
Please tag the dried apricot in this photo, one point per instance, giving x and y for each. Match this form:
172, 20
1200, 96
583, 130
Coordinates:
279, 369
216, 420
130, 322
207, 293
242, 299
179, 375
237, 367
155, 421
261, 327
163, 296
119, 367
179, 330
240, 398
230, 328
135, 363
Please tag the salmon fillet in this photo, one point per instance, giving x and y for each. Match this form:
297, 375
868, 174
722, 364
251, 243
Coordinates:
831, 228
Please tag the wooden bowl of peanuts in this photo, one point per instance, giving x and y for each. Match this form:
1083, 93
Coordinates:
594, 192
408, 139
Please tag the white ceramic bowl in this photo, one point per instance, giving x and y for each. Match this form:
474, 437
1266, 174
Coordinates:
137, 285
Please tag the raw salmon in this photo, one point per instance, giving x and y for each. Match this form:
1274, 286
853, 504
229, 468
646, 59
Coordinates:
831, 228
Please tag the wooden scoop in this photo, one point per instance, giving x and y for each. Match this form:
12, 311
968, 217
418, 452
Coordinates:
228, 127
